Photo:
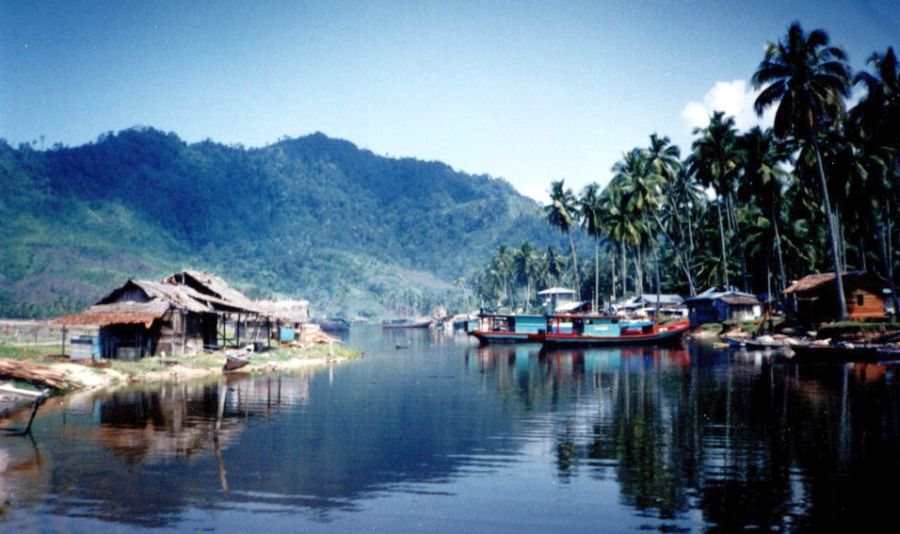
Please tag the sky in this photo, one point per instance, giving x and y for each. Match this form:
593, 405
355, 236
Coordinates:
528, 91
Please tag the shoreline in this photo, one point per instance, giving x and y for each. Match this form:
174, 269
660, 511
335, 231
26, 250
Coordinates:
52, 371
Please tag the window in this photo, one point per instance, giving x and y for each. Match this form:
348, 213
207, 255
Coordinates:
859, 299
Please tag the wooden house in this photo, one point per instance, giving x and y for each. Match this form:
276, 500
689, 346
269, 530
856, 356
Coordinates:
813, 299
143, 318
717, 306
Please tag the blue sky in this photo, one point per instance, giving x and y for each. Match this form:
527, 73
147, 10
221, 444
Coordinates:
530, 91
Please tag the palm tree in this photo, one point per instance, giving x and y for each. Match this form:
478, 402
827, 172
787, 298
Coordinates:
762, 180
878, 118
808, 79
561, 213
525, 269
714, 161
589, 210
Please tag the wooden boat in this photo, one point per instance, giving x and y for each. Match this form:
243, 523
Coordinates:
13, 398
407, 323
235, 361
509, 328
836, 352
889, 353
609, 330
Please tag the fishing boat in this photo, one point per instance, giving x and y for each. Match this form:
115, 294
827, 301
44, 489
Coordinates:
424, 322
509, 328
831, 352
609, 330
235, 361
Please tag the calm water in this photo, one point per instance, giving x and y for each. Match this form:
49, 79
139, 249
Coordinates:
447, 437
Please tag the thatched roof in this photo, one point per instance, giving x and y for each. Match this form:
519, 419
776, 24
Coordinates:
127, 312
819, 281
138, 302
217, 292
290, 311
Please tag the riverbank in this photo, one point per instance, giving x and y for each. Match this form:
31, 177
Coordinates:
62, 374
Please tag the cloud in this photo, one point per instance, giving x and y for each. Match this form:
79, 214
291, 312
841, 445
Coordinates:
537, 192
736, 99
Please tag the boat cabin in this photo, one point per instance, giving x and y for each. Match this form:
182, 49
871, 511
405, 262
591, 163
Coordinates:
524, 324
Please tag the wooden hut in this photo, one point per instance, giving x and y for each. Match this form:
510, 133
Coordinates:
716, 306
232, 306
812, 299
143, 318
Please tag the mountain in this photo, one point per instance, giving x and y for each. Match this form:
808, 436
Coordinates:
311, 217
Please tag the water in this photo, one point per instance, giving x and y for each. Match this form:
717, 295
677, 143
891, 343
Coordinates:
446, 437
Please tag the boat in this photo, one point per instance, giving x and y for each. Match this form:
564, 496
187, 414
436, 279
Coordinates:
889, 353
14, 398
509, 328
334, 324
423, 322
609, 330
235, 361
831, 352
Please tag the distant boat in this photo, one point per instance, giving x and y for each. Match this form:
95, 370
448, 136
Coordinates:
609, 330
407, 323
509, 328
235, 361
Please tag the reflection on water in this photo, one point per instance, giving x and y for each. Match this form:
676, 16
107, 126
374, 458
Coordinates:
447, 435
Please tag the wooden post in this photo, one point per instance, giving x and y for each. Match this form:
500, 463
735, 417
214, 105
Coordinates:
64, 341
268, 333
237, 331
183, 329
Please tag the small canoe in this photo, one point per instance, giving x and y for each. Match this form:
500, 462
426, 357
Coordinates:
234, 362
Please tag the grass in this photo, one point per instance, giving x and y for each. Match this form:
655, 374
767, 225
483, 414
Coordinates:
849, 330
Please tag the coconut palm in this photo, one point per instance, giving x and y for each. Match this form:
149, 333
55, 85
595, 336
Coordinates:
525, 269
714, 161
561, 213
589, 210
878, 119
808, 80
762, 182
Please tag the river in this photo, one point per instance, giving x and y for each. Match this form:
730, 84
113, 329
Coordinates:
446, 436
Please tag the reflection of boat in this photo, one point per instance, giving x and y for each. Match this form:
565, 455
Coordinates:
424, 322
608, 330
499, 328
235, 361
754, 343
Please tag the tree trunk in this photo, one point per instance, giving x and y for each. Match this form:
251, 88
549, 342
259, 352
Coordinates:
639, 272
658, 291
782, 280
575, 268
740, 243
612, 272
685, 263
596, 274
886, 258
722, 244
839, 282
624, 271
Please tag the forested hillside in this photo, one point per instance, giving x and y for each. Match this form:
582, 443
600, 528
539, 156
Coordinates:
311, 217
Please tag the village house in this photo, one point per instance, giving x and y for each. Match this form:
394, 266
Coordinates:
144, 318
812, 299
716, 305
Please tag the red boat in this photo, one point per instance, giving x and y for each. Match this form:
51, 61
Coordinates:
609, 330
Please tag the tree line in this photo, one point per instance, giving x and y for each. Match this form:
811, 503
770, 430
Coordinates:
752, 210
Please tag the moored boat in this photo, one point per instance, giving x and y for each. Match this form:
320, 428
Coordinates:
509, 328
831, 352
407, 323
609, 330
235, 361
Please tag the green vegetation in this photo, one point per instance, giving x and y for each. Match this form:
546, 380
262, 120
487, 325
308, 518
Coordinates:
312, 217
818, 192
855, 330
